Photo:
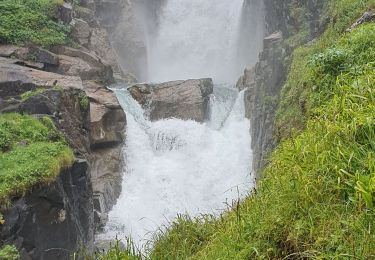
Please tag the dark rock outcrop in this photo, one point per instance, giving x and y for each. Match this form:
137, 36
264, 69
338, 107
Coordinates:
54, 220
184, 99
263, 83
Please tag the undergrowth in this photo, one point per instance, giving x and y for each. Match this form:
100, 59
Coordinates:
295, 103
9, 253
32, 152
31, 21
317, 199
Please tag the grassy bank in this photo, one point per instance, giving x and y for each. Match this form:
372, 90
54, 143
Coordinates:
31, 21
32, 152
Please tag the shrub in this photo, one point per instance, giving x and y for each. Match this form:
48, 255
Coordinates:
9, 253
31, 21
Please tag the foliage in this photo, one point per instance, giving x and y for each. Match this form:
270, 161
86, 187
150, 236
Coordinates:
33, 152
84, 102
9, 253
191, 235
318, 197
117, 251
28, 94
295, 102
31, 21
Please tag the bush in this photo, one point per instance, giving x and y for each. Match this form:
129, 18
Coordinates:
9, 253
31, 21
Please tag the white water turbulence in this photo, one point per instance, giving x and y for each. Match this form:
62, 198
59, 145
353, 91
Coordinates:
176, 167
196, 39
184, 167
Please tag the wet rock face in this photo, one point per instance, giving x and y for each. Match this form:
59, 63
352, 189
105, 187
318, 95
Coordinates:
184, 99
53, 221
263, 83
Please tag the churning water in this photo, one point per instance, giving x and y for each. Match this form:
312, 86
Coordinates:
175, 166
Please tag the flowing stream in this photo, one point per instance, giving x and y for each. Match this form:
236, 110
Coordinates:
174, 166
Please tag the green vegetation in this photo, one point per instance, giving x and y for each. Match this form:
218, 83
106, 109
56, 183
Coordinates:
116, 251
296, 104
9, 253
31, 21
84, 102
31, 152
317, 198
28, 94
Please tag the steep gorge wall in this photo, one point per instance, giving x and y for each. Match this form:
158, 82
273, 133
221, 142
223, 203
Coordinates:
288, 24
54, 220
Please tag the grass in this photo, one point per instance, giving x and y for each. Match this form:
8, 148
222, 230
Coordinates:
317, 197
31, 21
295, 103
32, 152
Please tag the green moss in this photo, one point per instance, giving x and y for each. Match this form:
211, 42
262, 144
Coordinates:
31, 21
29, 94
9, 253
84, 102
33, 152
38, 91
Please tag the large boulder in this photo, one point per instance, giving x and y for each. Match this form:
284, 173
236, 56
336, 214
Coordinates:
86, 65
16, 79
183, 99
80, 31
107, 119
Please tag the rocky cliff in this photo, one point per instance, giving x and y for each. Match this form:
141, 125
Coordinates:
67, 84
288, 24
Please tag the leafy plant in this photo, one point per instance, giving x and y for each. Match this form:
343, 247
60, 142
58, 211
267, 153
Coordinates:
9, 253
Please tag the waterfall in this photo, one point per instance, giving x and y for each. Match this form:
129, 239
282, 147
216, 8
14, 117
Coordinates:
173, 166
195, 39
176, 167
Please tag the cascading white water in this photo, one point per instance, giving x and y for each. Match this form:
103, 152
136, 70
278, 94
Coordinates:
175, 166
195, 39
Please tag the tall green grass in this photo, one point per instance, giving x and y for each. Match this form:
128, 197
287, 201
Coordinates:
317, 199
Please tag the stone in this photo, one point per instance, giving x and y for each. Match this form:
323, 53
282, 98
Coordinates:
16, 79
61, 210
184, 99
65, 13
80, 31
274, 38
86, 15
100, 44
86, 65
44, 56
366, 17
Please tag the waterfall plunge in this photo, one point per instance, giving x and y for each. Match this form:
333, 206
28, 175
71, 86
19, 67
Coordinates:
175, 166
196, 39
